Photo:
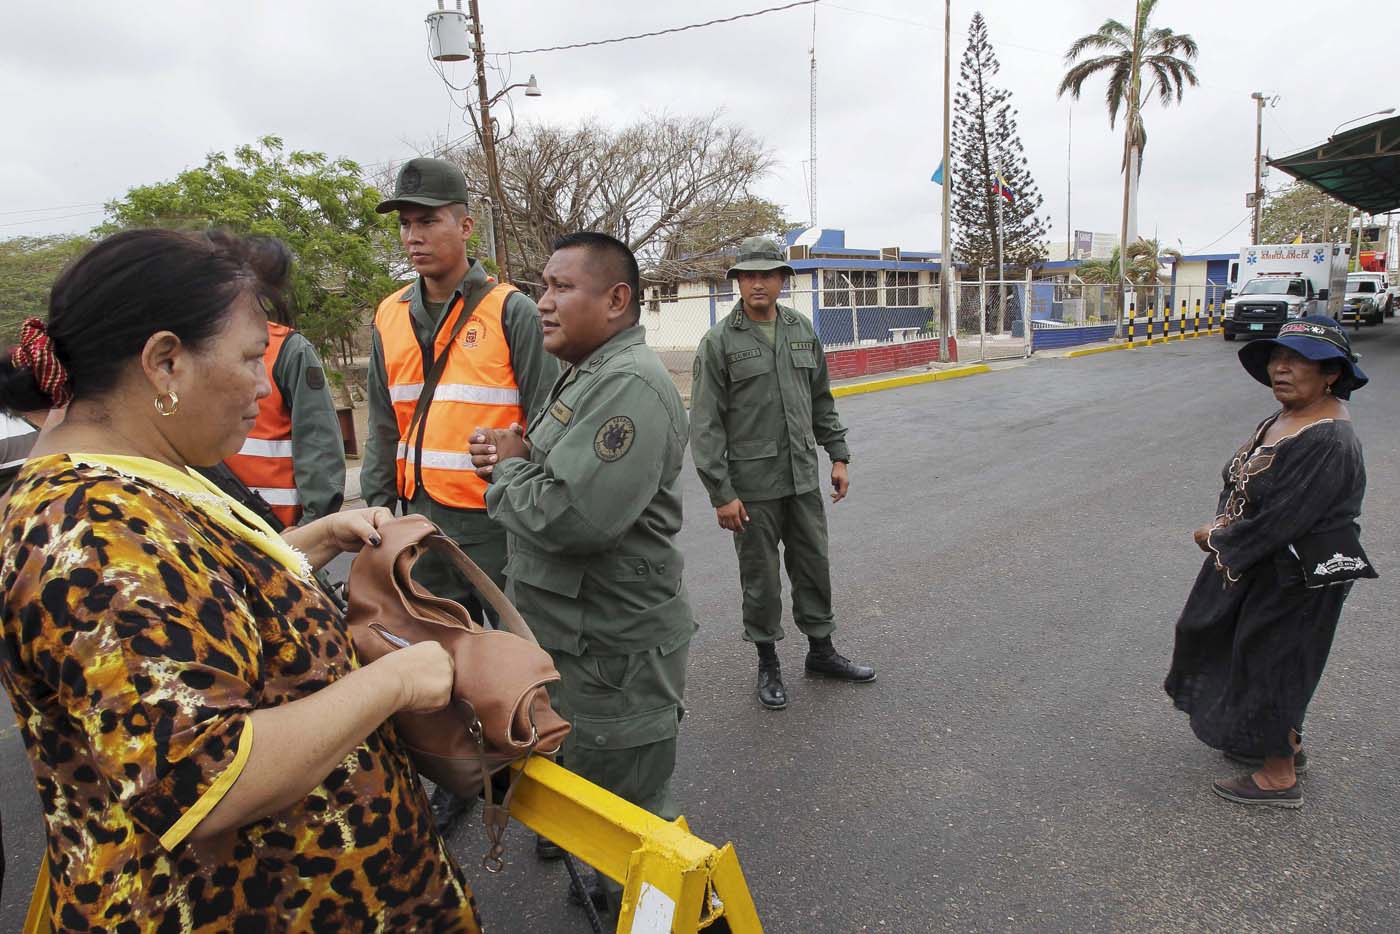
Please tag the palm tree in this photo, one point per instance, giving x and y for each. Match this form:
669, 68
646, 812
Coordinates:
1143, 269
1158, 55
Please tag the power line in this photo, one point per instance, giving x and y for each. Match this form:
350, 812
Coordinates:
53, 207
664, 32
45, 220
1227, 233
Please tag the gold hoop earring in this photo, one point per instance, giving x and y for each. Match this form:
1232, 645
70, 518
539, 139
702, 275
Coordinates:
167, 406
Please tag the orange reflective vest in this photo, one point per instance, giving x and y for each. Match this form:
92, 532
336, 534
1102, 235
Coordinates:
264, 463
477, 389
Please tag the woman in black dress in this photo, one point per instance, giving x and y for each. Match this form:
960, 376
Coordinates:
1254, 635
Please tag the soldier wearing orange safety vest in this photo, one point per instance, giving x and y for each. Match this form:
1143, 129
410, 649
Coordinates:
294, 458
452, 351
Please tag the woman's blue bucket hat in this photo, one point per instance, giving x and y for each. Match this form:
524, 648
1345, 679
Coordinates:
1316, 337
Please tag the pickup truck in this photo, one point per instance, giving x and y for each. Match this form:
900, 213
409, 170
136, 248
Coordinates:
1268, 302
1371, 286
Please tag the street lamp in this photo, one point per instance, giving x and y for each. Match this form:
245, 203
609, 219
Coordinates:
1378, 113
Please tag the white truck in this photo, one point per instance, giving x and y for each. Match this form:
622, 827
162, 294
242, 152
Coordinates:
1369, 296
1271, 283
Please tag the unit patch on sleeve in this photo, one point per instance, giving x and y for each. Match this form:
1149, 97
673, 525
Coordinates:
315, 378
800, 345
561, 412
695, 369
614, 438
743, 355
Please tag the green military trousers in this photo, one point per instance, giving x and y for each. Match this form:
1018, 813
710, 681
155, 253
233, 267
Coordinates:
799, 522
625, 711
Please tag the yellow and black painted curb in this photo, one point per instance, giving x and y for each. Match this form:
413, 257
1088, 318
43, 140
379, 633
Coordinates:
912, 379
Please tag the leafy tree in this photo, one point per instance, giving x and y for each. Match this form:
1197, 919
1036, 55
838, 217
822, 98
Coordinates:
1144, 270
28, 267
986, 143
1160, 55
319, 206
1303, 211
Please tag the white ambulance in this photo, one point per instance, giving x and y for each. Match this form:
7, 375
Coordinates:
1271, 283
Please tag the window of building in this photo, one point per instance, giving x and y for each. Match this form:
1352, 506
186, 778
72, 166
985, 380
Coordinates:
902, 289
662, 293
837, 286
834, 291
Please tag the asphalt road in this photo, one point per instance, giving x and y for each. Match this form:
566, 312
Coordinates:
1012, 557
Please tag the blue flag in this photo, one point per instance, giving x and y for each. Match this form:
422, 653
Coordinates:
938, 173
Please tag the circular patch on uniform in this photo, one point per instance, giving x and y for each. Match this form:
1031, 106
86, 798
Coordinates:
695, 368
410, 180
614, 438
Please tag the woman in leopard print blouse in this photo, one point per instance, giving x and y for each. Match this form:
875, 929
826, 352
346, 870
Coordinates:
209, 754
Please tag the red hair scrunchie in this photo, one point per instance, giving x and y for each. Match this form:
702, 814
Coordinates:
35, 350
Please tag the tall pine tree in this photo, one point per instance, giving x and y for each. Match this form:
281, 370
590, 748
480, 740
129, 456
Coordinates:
985, 142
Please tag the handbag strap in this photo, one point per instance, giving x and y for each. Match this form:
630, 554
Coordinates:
510, 617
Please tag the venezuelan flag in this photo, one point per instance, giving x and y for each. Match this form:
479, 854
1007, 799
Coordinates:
1005, 190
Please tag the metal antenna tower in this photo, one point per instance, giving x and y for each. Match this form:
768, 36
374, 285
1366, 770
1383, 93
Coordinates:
812, 130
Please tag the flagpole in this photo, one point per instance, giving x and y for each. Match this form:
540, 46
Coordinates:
945, 262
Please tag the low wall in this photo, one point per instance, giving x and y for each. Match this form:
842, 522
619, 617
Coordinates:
882, 358
1050, 338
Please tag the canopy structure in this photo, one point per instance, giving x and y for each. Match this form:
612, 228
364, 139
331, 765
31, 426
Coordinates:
1360, 167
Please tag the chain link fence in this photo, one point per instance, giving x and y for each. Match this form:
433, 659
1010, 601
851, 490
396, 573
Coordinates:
858, 314
993, 320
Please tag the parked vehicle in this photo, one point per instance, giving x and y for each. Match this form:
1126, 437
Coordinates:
1364, 294
1272, 283
1384, 290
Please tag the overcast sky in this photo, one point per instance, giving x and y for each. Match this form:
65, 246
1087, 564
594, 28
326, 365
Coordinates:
98, 98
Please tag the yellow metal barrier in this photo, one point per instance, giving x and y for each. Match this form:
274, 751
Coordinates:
1132, 316
1181, 323
672, 880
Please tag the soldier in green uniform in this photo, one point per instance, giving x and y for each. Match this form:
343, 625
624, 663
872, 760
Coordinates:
435, 224
760, 404
591, 496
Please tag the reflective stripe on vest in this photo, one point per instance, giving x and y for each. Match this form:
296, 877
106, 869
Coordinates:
264, 463
477, 389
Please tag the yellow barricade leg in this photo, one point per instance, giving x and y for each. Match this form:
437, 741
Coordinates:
672, 880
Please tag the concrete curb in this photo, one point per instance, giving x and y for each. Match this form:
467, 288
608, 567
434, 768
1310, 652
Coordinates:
1135, 345
896, 382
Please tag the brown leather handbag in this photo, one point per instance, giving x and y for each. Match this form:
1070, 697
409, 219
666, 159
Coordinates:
500, 710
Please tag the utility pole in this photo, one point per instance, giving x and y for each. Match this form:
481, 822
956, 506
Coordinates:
488, 146
945, 261
812, 127
1258, 156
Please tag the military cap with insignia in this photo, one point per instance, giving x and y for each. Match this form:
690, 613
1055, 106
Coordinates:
426, 182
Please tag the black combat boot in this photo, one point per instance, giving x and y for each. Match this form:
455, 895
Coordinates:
771, 693
824, 660
448, 809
